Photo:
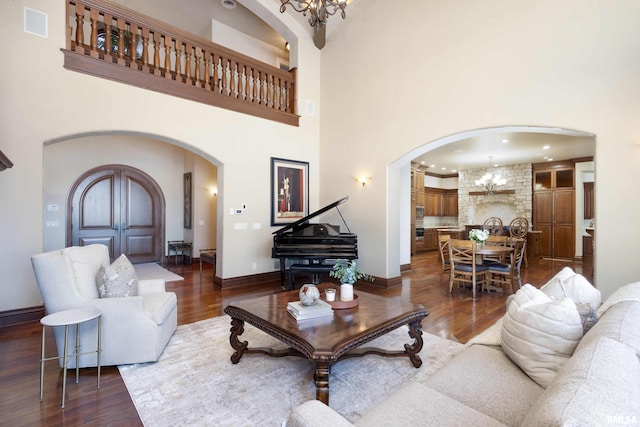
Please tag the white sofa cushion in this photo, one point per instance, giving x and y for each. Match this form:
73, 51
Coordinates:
593, 389
86, 260
118, 279
485, 379
574, 286
539, 334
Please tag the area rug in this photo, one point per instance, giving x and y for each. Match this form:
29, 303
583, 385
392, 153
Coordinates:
194, 383
151, 270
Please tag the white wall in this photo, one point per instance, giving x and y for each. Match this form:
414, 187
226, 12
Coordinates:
480, 65
41, 101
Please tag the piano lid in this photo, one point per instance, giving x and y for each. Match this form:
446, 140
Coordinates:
306, 219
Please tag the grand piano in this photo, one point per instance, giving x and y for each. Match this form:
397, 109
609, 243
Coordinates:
314, 242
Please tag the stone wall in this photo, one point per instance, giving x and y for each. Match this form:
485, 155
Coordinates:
476, 209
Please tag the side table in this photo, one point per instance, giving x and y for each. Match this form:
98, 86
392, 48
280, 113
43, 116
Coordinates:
67, 318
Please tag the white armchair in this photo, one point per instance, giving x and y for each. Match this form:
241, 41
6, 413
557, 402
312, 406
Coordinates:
135, 329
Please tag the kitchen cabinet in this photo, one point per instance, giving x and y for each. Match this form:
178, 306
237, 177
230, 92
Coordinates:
554, 209
589, 200
439, 202
430, 239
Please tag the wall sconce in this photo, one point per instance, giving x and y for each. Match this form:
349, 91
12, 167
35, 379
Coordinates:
363, 179
213, 191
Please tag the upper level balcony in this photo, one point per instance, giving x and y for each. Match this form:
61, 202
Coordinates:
107, 40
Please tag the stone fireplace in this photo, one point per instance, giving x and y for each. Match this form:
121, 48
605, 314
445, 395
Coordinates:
475, 209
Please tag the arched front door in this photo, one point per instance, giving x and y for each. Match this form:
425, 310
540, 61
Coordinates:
120, 207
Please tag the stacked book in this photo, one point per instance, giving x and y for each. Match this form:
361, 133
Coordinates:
303, 312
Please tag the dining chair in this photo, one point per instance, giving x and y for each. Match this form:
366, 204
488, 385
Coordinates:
501, 274
443, 246
495, 241
493, 225
519, 227
463, 265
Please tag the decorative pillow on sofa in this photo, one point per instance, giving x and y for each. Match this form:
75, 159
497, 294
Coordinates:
118, 279
539, 334
575, 286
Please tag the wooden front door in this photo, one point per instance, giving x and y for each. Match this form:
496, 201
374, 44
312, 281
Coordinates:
120, 207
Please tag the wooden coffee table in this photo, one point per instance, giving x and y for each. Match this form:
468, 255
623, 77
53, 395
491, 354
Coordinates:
325, 341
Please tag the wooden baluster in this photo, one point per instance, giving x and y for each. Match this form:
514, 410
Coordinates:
233, 69
263, 91
278, 94
167, 57
145, 50
121, 27
178, 64
156, 53
215, 84
93, 42
187, 64
286, 97
79, 47
133, 45
256, 84
207, 72
270, 92
246, 93
198, 64
224, 89
108, 27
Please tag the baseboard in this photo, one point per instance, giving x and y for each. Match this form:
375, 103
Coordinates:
405, 267
21, 315
241, 281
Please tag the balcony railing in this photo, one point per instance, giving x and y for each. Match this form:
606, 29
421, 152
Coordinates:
108, 40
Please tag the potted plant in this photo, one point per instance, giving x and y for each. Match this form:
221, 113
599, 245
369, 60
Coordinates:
348, 273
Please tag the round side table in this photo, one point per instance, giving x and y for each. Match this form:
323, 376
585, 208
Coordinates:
67, 318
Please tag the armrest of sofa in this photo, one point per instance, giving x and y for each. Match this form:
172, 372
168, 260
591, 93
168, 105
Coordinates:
150, 286
315, 414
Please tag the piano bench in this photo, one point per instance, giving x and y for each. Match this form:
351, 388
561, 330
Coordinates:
313, 270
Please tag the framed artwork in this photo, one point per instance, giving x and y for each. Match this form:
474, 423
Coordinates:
187, 200
289, 190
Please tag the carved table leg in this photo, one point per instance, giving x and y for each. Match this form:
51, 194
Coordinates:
415, 332
321, 377
237, 328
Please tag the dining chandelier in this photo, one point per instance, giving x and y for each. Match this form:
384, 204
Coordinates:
490, 182
319, 10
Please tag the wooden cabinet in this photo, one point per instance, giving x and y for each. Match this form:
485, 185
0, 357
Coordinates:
587, 249
430, 239
439, 202
589, 200
554, 209
419, 188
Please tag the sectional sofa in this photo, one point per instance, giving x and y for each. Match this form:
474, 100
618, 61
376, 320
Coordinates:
545, 363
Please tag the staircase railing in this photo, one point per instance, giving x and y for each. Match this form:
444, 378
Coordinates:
108, 40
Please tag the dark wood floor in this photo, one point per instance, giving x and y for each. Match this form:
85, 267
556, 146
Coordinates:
454, 316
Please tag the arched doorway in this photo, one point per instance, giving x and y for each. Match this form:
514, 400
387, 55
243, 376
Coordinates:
121, 207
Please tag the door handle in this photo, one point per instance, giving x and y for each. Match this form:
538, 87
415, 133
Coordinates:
115, 226
124, 226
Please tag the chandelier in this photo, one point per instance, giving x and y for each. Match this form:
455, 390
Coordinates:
490, 182
319, 10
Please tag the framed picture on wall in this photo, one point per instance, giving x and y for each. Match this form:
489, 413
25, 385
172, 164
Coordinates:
289, 190
187, 200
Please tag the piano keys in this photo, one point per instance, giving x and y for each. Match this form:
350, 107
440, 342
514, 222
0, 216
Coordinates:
314, 242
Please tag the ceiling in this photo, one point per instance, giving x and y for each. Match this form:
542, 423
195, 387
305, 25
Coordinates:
506, 148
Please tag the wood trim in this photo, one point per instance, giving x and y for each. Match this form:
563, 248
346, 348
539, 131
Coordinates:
21, 315
484, 193
435, 175
241, 281
405, 267
87, 65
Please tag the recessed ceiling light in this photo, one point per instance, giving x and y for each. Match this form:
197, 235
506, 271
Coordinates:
432, 166
504, 141
444, 169
454, 170
546, 147
229, 4
423, 162
550, 159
